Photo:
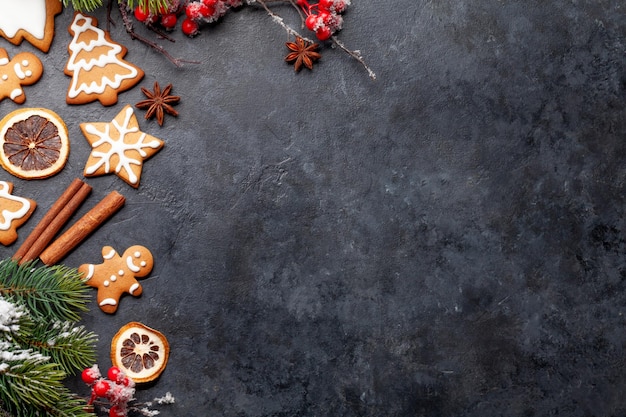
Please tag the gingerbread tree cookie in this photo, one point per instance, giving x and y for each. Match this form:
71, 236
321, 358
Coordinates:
14, 211
24, 69
119, 147
32, 20
117, 275
96, 65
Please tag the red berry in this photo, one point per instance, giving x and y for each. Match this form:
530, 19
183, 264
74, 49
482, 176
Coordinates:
101, 388
197, 11
311, 22
115, 374
190, 27
323, 33
210, 3
168, 21
127, 382
88, 376
325, 4
142, 14
117, 411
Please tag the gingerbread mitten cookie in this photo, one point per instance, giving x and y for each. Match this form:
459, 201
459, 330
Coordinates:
117, 275
24, 69
14, 211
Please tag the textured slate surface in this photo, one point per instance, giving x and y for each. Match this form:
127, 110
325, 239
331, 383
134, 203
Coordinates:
445, 241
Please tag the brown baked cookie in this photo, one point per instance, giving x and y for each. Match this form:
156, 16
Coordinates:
24, 69
32, 20
14, 211
119, 147
96, 64
117, 275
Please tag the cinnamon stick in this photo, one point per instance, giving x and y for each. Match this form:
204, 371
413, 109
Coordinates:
83, 227
44, 224
57, 223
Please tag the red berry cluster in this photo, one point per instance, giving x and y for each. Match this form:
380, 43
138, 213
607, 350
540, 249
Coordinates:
205, 11
196, 12
118, 389
324, 17
167, 16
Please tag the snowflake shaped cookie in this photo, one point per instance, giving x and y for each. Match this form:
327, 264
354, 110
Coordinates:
119, 147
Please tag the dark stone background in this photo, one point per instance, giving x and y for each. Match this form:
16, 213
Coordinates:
445, 241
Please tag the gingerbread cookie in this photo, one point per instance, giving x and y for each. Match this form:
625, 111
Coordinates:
32, 20
119, 147
96, 65
14, 211
117, 275
24, 69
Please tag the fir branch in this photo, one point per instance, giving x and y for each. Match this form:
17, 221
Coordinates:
52, 293
31, 382
71, 347
88, 5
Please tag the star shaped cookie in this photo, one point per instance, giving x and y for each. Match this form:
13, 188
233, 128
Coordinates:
119, 147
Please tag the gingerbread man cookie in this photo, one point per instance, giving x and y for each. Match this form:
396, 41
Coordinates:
14, 211
32, 20
24, 69
117, 275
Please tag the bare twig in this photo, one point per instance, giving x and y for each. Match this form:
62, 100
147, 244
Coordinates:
356, 54
128, 25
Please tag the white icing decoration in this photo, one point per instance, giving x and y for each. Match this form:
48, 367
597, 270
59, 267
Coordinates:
7, 215
29, 73
120, 272
118, 147
108, 302
25, 63
131, 265
16, 93
4, 61
133, 288
29, 15
76, 66
5, 77
106, 283
18, 71
113, 278
109, 255
143, 263
90, 270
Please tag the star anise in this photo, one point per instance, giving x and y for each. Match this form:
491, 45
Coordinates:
158, 102
302, 53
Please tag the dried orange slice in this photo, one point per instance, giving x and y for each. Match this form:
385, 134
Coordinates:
34, 143
139, 351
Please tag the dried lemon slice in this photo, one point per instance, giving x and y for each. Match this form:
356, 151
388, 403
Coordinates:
139, 351
34, 143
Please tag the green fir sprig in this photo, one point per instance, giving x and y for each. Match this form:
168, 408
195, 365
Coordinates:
89, 5
40, 342
52, 293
